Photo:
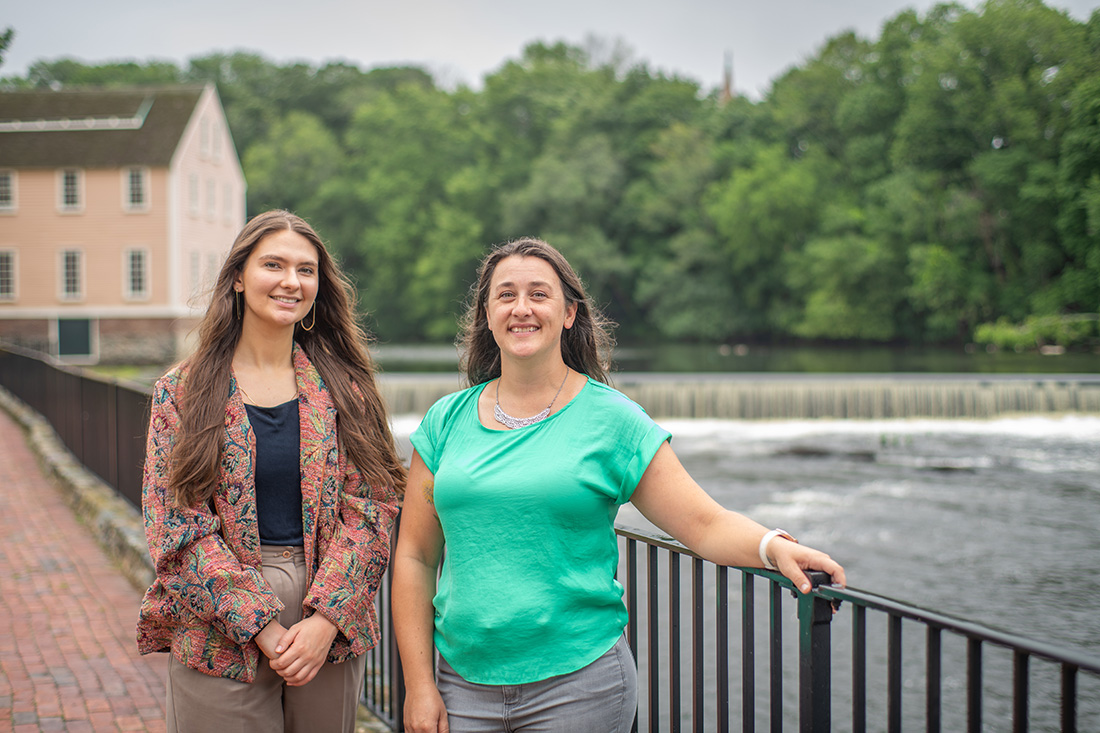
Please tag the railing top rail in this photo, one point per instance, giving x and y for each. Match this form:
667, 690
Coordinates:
49, 359
964, 627
668, 543
74, 370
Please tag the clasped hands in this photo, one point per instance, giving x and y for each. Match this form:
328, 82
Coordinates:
297, 653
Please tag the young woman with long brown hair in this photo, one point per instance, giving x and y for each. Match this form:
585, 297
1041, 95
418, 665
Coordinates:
527, 615
270, 489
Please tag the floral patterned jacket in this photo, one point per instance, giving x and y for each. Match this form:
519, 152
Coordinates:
210, 598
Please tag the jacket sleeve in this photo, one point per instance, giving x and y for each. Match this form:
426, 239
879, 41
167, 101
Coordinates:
356, 556
192, 561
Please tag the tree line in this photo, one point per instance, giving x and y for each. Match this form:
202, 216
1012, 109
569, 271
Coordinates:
937, 184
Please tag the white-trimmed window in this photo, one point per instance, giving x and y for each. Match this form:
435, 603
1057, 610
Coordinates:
196, 273
9, 199
216, 141
70, 284
135, 274
227, 203
204, 137
211, 199
8, 275
213, 265
70, 190
135, 189
193, 194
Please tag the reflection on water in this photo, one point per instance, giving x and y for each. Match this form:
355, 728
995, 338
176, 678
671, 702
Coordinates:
774, 359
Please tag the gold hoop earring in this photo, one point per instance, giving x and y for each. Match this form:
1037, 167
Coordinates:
313, 322
237, 303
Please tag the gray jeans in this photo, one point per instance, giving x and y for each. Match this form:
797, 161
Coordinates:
601, 697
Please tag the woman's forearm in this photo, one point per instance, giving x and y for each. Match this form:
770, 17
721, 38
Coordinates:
729, 538
673, 501
413, 614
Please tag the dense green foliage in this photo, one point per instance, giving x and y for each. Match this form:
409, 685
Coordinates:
5, 41
908, 189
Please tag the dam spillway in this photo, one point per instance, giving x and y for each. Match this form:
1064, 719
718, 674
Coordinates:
788, 396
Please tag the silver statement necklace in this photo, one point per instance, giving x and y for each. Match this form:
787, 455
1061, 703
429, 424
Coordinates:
512, 423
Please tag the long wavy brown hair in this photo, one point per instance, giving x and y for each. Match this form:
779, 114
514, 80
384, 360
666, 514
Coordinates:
586, 347
336, 345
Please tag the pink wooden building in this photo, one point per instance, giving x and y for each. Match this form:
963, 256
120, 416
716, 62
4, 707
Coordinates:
117, 208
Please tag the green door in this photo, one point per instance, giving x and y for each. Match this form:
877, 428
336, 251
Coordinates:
74, 337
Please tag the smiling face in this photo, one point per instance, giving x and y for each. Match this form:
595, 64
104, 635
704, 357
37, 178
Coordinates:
279, 280
527, 308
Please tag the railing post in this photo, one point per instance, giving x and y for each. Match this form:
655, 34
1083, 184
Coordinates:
654, 649
1069, 698
748, 654
397, 686
974, 685
814, 658
397, 689
674, 642
722, 635
698, 715
1019, 691
775, 655
859, 669
934, 693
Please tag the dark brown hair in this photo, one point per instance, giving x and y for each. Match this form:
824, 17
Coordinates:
336, 345
585, 347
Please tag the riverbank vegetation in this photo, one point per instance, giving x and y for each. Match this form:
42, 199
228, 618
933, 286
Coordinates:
937, 184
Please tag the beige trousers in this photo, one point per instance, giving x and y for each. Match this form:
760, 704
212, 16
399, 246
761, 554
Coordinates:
199, 703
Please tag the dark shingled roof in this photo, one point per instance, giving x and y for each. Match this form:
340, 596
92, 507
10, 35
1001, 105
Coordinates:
151, 145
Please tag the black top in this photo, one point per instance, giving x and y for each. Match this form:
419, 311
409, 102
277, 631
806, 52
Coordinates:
278, 473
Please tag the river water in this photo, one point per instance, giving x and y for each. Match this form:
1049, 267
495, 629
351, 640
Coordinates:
995, 521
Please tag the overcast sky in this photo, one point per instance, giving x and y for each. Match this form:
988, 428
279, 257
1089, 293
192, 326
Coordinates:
459, 41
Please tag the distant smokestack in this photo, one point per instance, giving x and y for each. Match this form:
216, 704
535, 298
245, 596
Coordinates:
727, 79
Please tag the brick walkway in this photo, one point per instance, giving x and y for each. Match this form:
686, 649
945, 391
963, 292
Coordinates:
68, 660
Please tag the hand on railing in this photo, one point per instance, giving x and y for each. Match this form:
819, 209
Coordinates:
819, 578
800, 564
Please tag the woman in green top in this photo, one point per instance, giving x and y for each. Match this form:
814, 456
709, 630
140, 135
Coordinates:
527, 615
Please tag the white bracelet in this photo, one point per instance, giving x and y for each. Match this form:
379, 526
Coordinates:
763, 551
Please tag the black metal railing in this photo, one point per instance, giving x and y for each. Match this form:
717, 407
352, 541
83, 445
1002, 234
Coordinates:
724, 670
694, 674
100, 420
